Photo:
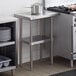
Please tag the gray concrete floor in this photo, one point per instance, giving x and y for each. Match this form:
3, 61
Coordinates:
42, 68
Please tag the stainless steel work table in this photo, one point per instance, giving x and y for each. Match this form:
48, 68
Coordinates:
40, 39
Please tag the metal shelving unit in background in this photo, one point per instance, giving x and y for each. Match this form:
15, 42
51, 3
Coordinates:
9, 48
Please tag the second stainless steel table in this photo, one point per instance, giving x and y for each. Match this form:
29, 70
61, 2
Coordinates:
36, 39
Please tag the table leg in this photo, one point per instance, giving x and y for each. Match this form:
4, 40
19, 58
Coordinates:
12, 72
20, 42
40, 31
31, 56
71, 61
51, 51
44, 30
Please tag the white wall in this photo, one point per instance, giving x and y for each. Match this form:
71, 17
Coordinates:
8, 7
58, 2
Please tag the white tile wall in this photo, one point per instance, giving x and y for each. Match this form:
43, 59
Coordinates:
58, 2
9, 7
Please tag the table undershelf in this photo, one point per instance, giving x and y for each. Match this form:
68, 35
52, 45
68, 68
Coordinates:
36, 39
2, 44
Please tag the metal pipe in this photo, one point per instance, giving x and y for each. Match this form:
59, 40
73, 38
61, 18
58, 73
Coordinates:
43, 3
